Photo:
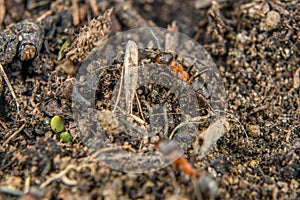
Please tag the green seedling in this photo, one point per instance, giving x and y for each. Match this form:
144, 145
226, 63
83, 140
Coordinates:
62, 52
65, 137
57, 124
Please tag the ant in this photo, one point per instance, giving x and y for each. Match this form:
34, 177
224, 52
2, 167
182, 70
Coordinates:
186, 167
172, 151
175, 63
166, 58
204, 186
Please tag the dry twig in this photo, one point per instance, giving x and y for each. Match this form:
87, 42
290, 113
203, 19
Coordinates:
2, 11
62, 175
94, 7
75, 13
129, 16
43, 16
14, 134
4, 75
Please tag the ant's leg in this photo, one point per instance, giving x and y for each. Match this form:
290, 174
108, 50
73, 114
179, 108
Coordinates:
198, 74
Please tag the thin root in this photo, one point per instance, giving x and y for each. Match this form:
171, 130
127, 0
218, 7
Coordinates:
58, 176
14, 134
191, 121
236, 119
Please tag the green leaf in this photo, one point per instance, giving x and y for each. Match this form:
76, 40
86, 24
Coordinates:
57, 124
65, 137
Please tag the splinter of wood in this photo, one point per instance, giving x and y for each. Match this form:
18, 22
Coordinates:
130, 74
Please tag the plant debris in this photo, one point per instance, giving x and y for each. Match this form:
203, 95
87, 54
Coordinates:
90, 37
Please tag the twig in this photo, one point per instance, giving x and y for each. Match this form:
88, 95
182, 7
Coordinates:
36, 87
94, 7
43, 16
10, 191
258, 109
2, 11
1, 86
119, 92
139, 106
34, 5
166, 128
289, 132
75, 13
139, 120
199, 4
136, 118
9, 86
129, 16
62, 175
66, 180
3, 124
58, 176
14, 134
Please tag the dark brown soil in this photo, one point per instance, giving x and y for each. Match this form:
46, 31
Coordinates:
256, 46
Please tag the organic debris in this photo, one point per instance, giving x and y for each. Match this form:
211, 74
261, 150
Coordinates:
90, 37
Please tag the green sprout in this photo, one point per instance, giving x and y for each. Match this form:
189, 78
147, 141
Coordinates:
57, 124
65, 137
62, 52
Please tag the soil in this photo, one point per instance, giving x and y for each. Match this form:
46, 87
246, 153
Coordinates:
256, 47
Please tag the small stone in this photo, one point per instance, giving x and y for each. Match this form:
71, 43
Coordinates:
241, 168
155, 139
281, 184
254, 130
294, 184
272, 20
253, 164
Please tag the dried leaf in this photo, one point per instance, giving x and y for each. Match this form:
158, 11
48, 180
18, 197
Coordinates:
211, 135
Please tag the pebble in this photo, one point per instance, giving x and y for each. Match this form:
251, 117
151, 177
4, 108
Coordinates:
272, 20
294, 184
283, 186
241, 168
253, 164
154, 139
254, 130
